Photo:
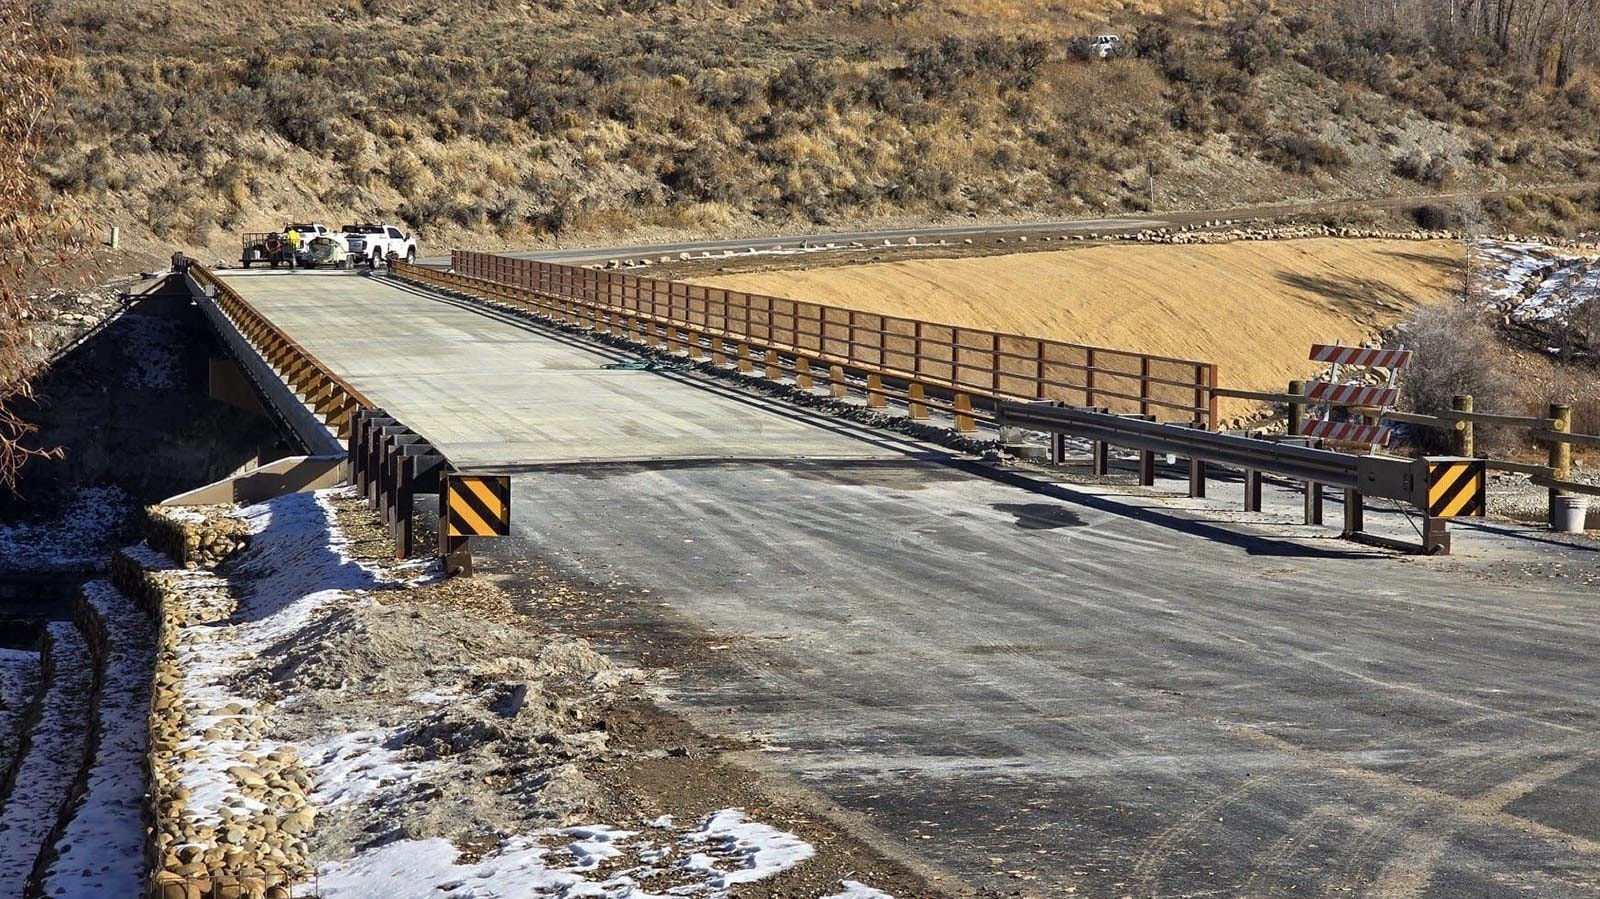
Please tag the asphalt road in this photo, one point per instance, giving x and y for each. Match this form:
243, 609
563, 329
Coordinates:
1061, 691
1107, 224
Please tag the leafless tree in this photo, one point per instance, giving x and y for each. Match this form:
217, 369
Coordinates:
32, 236
1554, 37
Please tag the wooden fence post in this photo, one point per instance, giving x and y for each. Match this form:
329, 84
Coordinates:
1560, 451
1297, 411
1465, 444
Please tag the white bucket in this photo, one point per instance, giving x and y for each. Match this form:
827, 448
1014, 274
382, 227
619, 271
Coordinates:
1567, 513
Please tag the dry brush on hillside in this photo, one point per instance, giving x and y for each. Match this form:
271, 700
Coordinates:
536, 120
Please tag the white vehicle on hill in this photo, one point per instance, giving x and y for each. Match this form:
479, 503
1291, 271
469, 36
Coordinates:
374, 243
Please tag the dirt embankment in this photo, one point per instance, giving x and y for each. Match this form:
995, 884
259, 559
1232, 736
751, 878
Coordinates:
1253, 308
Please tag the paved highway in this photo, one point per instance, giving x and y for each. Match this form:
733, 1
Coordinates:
975, 230
1035, 689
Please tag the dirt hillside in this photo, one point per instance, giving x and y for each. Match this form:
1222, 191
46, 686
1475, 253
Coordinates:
1253, 308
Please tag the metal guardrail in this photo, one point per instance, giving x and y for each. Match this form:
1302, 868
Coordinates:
927, 365
1554, 429
1404, 480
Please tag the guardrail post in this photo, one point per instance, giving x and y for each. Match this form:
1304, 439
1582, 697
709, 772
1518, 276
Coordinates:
1147, 468
1197, 479
1464, 439
964, 421
1355, 519
802, 372
1560, 452
916, 403
455, 553
1100, 458
352, 456
1435, 536
719, 350
773, 372
1313, 503
1297, 420
1252, 491
875, 397
1144, 385
745, 365
405, 501
836, 384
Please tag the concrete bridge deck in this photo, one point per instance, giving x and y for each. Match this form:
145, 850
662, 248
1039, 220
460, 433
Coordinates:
492, 393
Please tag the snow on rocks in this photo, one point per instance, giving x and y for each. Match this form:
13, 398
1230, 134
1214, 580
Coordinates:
101, 849
19, 678
724, 849
231, 802
1532, 283
55, 755
856, 890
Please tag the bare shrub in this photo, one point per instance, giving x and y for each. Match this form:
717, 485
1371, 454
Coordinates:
1306, 153
31, 236
1434, 170
1455, 351
1434, 217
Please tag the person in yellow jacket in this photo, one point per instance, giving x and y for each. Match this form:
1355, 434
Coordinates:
294, 240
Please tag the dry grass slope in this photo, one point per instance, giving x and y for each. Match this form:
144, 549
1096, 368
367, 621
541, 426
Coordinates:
1252, 308
493, 121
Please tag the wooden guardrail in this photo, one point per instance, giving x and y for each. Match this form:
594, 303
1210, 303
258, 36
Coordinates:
925, 364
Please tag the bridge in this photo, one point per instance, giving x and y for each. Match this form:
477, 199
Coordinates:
1002, 674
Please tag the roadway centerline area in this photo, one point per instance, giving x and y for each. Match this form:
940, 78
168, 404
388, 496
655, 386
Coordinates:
1067, 691
492, 391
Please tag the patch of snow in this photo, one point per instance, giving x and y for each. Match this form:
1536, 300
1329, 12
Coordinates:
756, 850
737, 850
77, 537
357, 765
296, 574
19, 678
101, 851
855, 890
52, 761
434, 697
155, 351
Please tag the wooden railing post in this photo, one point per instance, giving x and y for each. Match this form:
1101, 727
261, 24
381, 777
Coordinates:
1297, 411
1144, 385
1465, 445
1088, 377
1560, 451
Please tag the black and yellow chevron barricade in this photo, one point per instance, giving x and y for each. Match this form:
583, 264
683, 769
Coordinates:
1457, 488
477, 506
470, 505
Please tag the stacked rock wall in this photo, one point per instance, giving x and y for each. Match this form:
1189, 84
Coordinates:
250, 846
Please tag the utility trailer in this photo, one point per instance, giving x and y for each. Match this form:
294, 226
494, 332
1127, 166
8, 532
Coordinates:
271, 247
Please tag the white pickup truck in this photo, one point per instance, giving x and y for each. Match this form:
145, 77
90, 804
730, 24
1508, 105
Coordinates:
373, 243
